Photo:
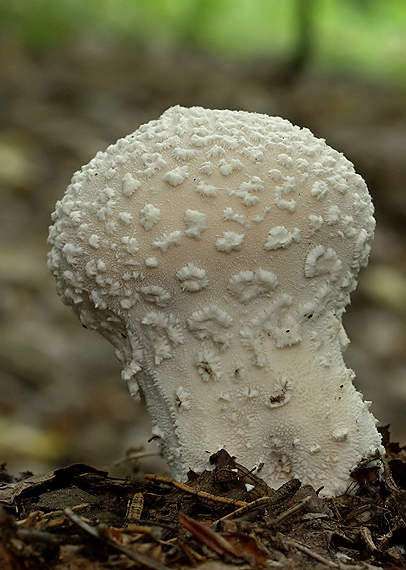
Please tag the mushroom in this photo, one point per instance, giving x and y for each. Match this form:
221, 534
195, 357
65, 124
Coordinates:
216, 250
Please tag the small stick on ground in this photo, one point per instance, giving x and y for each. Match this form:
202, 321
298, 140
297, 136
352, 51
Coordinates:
191, 491
141, 559
261, 502
309, 552
289, 512
367, 538
322, 559
134, 457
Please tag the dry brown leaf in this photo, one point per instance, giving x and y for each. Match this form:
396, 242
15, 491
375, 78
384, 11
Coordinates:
209, 537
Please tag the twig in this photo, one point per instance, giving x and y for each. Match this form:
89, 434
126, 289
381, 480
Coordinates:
93, 531
367, 538
191, 491
338, 515
289, 512
246, 473
309, 552
135, 457
192, 554
46, 517
322, 559
276, 498
262, 501
135, 506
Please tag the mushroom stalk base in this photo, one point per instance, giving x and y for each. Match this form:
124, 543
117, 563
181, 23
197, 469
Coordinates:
272, 415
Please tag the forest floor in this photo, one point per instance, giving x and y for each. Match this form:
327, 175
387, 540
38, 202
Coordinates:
77, 517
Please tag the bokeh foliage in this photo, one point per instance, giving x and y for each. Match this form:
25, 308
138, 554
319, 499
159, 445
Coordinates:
368, 36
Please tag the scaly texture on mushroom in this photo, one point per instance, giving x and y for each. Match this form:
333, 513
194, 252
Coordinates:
216, 250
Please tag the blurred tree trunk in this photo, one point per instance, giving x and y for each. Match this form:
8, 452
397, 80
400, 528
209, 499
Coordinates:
304, 48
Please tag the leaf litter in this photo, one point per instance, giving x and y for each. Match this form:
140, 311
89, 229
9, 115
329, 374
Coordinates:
79, 517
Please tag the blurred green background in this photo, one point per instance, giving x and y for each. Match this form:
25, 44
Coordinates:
365, 36
77, 75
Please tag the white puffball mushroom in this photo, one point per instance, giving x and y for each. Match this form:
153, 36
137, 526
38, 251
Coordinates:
216, 250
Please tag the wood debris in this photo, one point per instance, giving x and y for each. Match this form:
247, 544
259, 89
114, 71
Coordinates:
159, 523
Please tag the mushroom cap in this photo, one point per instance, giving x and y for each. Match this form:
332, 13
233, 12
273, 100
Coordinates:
217, 250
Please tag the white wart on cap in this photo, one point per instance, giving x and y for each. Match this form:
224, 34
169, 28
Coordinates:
216, 250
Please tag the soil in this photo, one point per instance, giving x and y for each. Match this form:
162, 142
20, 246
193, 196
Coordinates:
78, 517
